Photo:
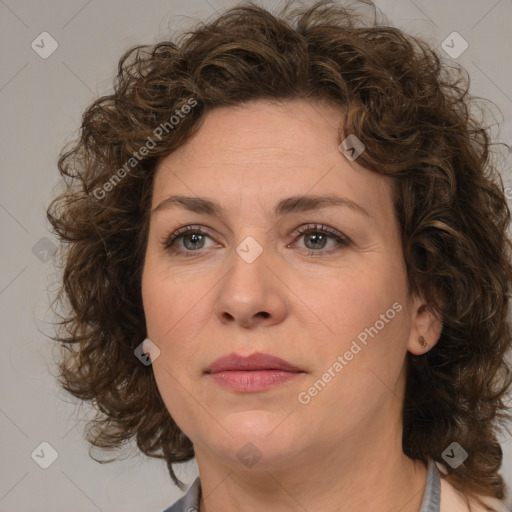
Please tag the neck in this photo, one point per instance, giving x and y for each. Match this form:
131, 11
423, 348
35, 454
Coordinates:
379, 478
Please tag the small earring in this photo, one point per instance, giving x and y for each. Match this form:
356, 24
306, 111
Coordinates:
424, 344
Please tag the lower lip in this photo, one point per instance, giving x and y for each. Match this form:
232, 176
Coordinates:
252, 381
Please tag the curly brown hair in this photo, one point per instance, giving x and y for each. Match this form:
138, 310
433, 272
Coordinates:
413, 113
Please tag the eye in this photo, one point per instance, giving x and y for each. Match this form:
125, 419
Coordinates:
192, 238
316, 237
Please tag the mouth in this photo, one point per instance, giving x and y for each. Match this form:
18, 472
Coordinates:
255, 373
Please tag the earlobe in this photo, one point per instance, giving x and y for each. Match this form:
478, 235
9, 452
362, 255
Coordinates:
425, 329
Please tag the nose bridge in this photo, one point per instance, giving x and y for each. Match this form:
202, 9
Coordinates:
249, 260
250, 287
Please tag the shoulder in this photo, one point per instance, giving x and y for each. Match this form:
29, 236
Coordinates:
189, 502
452, 500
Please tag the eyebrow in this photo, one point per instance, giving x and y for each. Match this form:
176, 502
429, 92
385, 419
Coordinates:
301, 203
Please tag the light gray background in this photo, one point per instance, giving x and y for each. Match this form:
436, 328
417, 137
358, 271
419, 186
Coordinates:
41, 103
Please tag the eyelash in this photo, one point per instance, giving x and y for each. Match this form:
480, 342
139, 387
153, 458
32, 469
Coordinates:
343, 241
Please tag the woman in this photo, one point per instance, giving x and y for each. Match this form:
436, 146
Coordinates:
287, 258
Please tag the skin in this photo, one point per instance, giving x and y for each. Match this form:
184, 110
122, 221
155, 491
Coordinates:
344, 446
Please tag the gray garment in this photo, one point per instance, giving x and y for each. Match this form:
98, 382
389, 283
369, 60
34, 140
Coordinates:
431, 497
189, 502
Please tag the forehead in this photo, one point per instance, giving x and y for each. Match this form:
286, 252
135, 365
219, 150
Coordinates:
262, 151
265, 130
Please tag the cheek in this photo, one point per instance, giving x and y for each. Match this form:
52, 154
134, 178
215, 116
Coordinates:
354, 300
366, 316
168, 300
168, 310
359, 364
175, 312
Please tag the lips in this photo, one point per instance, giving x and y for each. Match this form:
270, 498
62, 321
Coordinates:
254, 362
252, 374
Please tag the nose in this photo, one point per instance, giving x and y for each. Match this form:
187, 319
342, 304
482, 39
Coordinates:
251, 293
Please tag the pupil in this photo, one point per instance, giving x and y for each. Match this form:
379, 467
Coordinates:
319, 238
193, 237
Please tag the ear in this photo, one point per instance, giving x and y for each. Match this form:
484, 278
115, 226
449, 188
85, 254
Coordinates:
423, 323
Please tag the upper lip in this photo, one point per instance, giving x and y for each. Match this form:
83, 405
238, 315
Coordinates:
233, 362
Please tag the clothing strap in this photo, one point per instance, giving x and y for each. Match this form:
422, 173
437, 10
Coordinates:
432, 495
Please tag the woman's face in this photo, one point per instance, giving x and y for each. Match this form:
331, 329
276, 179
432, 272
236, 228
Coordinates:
330, 300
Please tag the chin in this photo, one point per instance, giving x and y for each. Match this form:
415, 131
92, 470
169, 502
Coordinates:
256, 423
256, 434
